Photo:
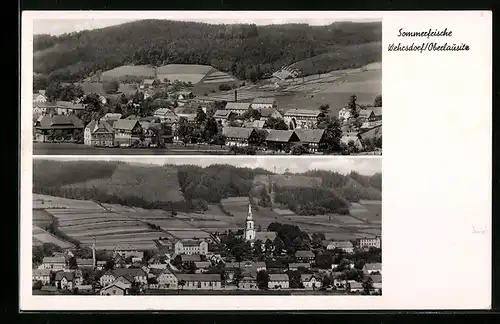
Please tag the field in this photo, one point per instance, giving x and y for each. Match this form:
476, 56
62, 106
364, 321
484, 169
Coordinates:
369, 211
289, 181
41, 218
139, 183
128, 70
39, 235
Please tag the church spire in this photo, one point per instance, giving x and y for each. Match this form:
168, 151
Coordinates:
249, 216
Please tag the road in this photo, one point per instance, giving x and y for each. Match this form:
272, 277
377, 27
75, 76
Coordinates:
80, 149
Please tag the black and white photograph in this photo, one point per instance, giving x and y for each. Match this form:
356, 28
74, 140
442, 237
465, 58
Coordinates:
207, 86
178, 226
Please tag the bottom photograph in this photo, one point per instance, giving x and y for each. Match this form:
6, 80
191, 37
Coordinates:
211, 226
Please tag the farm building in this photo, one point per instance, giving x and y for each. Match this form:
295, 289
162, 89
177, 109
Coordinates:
281, 140
301, 118
264, 103
278, 280
138, 275
295, 266
39, 97
372, 268
248, 281
118, 288
345, 246
57, 128
353, 138
304, 256
202, 266
239, 108
310, 281
312, 139
65, 280
99, 133
189, 117
42, 275
167, 280
240, 136
266, 113
127, 131
257, 124
200, 281
372, 116
251, 267
166, 115
68, 107
189, 247
85, 263
224, 115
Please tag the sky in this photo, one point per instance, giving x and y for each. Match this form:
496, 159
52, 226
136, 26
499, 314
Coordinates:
362, 165
55, 25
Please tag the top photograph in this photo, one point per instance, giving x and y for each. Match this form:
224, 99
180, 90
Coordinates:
206, 87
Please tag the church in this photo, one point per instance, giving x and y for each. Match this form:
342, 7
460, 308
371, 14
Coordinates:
252, 235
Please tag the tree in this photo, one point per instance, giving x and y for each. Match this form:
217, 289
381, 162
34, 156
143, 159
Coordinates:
185, 130
262, 279
278, 244
111, 86
298, 150
352, 106
38, 285
200, 116
110, 265
257, 248
260, 138
211, 129
72, 263
333, 135
317, 239
276, 123
377, 102
93, 108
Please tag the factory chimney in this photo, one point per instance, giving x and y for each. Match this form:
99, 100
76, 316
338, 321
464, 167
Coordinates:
235, 95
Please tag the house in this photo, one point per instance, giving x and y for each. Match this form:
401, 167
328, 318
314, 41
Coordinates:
183, 95
202, 266
147, 83
85, 263
368, 242
167, 280
100, 265
248, 281
112, 117
166, 115
367, 131
57, 128
302, 118
312, 139
190, 118
345, 246
296, 266
128, 252
344, 113
190, 258
372, 268
138, 275
355, 287
188, 247
266, 113
240, 136
39, 97
238, 108
257, 124
223, 115
264, 103
373, 278
372, 115
278, 281
117, 288
376, 287
199, 281
127, 131
68, 107
281, 140
263, 236
304, 256
53, 263
353, 138
65, 280
99, 133
42, 275
245, 267
310, 281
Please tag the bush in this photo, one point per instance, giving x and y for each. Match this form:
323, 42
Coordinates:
224, 87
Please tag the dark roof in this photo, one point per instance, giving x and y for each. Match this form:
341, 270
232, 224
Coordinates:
190, 258
127, 124
222, 114
237, 132
372, 132
304, 254
59, 122
237, 106
303, 112
198, 277
266, 112
278, 277
63, 274
310, 135
100, 127
279, 135
134, 272
69, 105
268, 100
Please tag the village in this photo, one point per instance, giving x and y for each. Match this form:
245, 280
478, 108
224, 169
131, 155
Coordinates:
164, 114
249, 261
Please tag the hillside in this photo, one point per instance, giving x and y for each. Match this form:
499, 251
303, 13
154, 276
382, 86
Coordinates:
245, 51
190, 187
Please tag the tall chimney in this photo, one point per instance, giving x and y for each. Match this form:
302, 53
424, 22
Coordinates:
93, 253
235, 95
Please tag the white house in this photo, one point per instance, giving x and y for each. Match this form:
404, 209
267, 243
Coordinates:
345, 246
65, 280
278, 281
310, 281
372, 268
344, 113
98, 133
239, 108
138, 275
167, 280
199, 281
301, 118
166, 115
262, 103
39, 98
354, 138
190, 247
355, 287
53, 263
42, 275
368, 242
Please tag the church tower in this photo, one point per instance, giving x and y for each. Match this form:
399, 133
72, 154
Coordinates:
250, 227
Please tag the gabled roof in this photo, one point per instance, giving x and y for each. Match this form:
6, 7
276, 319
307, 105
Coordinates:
63, 274
54, 260
299, 264
198, 277
303, 112
349, 137
377, 111
134, 272
374, 278
372, 132
41, 272
304, 254
279, 135
222, 114
263, 236
202, 264
307, 277
310, 135
119, 284
149, 81
342, 244
163, 111
268, 100
237, 106
112, 116
89, 262
365, 113
278, 277
190, 242
237, 132
59, 122
373, 266
100, 127
126, 124
69, 105
266, 112
190, 258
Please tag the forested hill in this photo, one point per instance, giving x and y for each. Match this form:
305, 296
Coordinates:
190, 187
232, 48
